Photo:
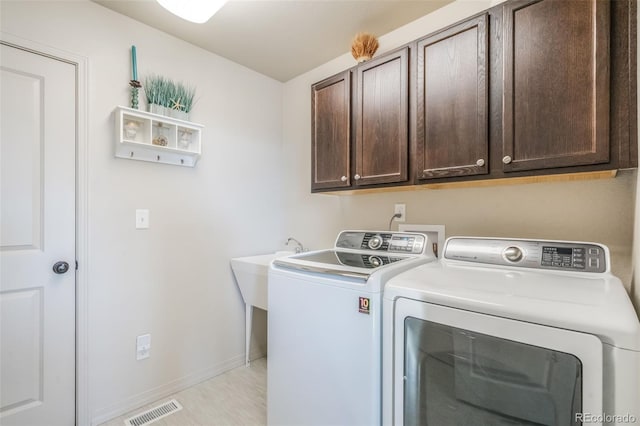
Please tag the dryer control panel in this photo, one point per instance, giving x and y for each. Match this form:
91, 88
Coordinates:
392, 242
538, 254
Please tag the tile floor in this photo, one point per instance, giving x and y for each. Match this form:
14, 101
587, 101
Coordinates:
235, 398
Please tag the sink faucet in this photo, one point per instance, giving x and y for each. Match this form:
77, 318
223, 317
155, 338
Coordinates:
300, 248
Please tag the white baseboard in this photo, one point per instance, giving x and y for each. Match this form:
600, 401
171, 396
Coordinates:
136, 401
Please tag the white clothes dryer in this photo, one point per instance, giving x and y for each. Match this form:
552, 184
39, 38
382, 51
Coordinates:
509, 331
325, 328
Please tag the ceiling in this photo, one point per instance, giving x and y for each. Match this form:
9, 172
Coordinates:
285, 38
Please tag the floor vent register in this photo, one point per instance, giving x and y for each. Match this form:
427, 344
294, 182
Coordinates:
154, 414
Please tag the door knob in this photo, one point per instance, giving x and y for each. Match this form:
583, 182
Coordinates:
480, 162
506, 159
343, 178
357, 177
60, 267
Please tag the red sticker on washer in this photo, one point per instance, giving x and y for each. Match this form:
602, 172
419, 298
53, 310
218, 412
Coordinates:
364, 305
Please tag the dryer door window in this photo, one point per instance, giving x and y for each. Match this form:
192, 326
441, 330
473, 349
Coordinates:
457, 367
458, 377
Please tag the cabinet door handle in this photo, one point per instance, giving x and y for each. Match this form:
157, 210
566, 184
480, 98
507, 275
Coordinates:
480, 163
506, 159
357, 177
343, 178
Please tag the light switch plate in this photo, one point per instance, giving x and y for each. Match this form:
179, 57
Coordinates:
142, 219
143, 346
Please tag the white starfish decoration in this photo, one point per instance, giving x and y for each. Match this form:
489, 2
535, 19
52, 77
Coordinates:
177, 105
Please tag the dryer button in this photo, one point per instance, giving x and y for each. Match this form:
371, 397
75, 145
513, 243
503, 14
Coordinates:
512, 254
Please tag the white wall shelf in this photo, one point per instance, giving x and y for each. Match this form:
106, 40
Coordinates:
151, 137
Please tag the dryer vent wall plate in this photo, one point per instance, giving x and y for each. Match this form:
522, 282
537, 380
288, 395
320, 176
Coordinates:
436, 234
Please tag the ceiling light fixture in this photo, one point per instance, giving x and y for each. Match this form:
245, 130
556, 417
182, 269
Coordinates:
198, 11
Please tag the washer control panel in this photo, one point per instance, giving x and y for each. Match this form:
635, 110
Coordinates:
392, 242
556, 255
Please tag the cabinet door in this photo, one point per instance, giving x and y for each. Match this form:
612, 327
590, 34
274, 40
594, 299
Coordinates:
452, 125
382, 133
556, 84
331, 132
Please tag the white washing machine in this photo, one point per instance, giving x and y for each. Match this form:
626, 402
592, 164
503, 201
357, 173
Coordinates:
325, 328
516, 332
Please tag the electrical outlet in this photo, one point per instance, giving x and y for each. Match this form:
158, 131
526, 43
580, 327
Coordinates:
400, 209
142, 219
143, 346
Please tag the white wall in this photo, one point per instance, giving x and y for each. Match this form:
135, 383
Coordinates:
173, 280
598, 210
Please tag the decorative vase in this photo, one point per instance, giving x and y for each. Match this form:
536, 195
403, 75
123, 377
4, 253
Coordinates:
180, 115
131, 129
363, 58
184, 138
157, 109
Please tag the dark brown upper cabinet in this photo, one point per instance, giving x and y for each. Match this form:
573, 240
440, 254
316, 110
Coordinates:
331, 132
556, 84
382, 120
452, 96
526, 88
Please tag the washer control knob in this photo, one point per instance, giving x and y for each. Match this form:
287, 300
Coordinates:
506, 159
375, 261
512, 254
375, 242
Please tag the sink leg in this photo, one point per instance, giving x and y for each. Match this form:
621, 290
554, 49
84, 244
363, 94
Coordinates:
248, 324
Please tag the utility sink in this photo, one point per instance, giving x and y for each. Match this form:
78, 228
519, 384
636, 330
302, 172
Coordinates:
251, 274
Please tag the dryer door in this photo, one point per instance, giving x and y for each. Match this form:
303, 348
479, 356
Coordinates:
455, 367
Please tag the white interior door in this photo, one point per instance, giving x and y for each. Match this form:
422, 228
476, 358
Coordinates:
37, 208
